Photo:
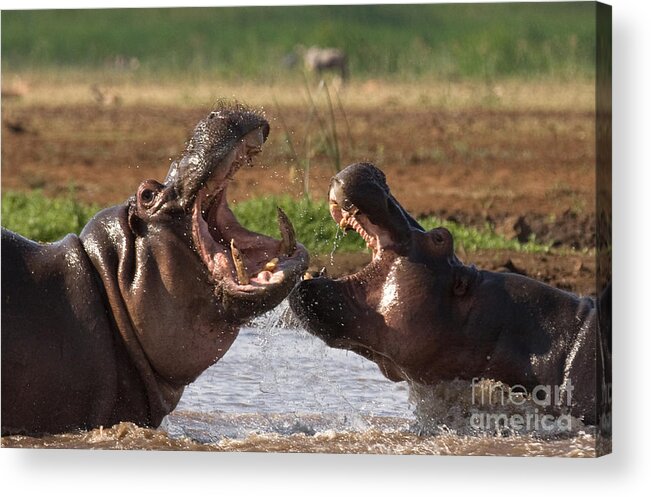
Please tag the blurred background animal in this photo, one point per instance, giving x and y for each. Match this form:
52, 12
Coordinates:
318, 60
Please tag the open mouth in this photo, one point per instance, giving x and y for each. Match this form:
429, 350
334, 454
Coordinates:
350, 218
245, 261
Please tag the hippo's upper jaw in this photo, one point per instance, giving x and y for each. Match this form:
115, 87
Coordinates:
360, 200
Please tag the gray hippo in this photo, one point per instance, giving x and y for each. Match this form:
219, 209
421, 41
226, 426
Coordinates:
111, 325
424, 317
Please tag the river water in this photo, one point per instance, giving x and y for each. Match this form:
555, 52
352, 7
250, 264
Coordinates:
282, 390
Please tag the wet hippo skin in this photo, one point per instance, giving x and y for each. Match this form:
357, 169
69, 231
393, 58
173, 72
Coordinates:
423, 316
111, 325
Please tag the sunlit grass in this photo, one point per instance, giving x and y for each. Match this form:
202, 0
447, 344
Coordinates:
44, 219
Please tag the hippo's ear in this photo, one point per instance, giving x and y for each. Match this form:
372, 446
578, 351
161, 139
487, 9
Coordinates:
137, 225
148, 195
144, 204
441, 241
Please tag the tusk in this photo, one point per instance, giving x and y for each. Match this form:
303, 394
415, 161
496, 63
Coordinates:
271, 265
242, 276
287, 233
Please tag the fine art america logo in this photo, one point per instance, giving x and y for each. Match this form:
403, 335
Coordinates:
518, 409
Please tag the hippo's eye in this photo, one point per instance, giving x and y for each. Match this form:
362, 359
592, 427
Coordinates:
347, 205
146, 196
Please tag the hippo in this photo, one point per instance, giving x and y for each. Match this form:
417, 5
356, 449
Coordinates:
424, 317
111, 325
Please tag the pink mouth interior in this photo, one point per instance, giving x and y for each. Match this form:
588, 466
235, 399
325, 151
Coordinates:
214, 226
375, 237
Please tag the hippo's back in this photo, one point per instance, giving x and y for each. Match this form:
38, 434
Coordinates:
56, 336
44, 287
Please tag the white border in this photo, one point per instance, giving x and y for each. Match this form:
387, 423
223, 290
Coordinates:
139, 473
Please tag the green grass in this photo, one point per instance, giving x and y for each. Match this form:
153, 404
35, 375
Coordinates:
48, 219
449, 41
44, 219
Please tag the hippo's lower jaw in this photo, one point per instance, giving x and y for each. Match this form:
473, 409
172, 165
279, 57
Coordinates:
243, 263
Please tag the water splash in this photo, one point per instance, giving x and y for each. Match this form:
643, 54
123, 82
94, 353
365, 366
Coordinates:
339, 236
386, 436
271, 323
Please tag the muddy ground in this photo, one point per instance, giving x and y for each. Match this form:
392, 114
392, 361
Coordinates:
528, 172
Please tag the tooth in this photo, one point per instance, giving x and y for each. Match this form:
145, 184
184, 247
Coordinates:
288, 241
242, 276
271, 265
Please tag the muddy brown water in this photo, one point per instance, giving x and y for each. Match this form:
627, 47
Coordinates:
282, 390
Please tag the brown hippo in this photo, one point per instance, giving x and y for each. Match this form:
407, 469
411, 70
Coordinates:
111, 325
423, 316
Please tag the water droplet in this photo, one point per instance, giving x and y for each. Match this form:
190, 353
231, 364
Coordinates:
339, 235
